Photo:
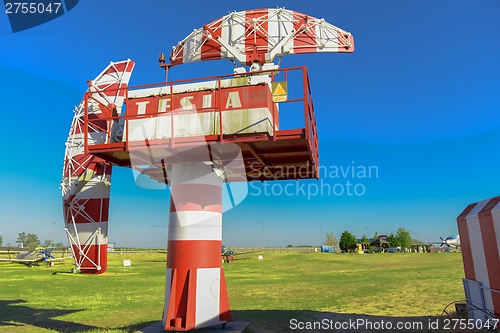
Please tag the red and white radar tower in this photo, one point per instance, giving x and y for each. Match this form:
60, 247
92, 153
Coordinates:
197, 136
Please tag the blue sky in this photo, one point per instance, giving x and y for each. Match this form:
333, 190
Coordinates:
418, 99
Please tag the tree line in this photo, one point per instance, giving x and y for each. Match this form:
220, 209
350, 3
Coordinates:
402, 239
31, 240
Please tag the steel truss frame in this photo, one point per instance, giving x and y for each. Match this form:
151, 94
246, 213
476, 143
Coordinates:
79, 170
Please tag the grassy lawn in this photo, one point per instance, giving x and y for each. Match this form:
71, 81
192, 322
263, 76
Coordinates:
268, 293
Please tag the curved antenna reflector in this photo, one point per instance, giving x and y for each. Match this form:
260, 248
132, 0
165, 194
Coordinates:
260, 36
86, 179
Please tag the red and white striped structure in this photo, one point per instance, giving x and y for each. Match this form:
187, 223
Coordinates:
260, 36
479, 228
195, 293
86, 178
179, 135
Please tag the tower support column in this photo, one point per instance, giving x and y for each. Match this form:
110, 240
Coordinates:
195, 291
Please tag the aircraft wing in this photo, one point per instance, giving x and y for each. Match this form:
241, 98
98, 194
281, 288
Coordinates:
6, 250
32, 260
242, 252
245, 252
19, 260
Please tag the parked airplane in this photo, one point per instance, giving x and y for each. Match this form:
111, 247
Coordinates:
31, 257
452, 241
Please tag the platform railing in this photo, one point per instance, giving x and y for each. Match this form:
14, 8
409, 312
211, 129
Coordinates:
311, 130
108, 118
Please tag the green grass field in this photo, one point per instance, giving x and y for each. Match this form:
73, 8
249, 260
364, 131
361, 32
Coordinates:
267, 293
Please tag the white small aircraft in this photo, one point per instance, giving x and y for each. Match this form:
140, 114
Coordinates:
30, 257
452, 241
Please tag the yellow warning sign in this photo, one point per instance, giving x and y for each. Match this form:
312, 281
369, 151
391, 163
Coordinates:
280, 93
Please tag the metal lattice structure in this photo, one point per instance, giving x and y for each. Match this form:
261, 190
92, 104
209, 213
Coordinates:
87, 178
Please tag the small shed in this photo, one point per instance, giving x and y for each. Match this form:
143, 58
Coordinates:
381, 242
327, 248
111, 247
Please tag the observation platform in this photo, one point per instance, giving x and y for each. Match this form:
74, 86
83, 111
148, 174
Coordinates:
234, 121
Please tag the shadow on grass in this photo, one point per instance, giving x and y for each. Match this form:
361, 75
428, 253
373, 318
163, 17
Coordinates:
280, 321
15, 313
136, 327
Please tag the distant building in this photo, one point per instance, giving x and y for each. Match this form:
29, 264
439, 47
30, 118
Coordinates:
111, 247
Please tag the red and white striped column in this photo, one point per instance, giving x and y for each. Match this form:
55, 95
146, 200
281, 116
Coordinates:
195, 293
479, 229
86, 188
86, 207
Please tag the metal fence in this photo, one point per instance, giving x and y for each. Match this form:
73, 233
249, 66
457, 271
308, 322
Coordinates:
297, 249
236, 249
